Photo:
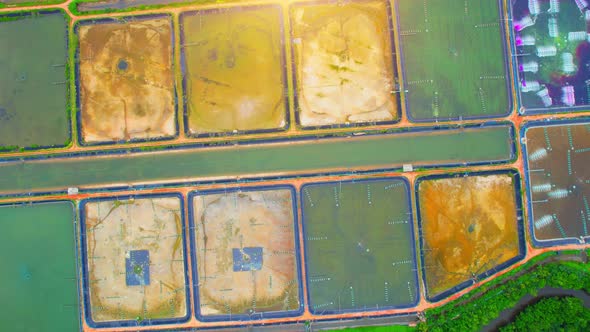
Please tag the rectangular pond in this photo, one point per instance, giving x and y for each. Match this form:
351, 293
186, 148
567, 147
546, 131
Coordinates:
558, 177
343, 62
125, 79
34, 84
134, 258
470, 226
359, 246
453, 59
246, 252
222, 51
39, 273
551, 41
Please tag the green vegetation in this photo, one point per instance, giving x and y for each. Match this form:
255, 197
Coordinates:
392, 328
73, 6
360, 241
552, 314
24, 3
479, 307
482, 305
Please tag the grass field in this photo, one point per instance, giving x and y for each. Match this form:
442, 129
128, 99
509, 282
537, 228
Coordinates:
39, 274
453, 59
33, 84
359, 246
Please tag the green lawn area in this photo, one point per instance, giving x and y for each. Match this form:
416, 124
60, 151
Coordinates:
453, 59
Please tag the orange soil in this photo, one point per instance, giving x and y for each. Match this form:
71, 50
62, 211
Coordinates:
126, 91
469, 225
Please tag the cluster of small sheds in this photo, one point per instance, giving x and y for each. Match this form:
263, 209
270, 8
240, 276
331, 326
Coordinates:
524, 38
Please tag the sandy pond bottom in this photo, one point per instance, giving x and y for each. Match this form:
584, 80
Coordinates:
135, 259
126, 79
343, 63
245, 251
469, 225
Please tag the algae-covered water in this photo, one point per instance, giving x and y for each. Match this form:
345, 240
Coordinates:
453, 58
359, 245
33, 85
39, 275
385, 151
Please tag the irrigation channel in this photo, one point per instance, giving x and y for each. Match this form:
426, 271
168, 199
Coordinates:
464, 146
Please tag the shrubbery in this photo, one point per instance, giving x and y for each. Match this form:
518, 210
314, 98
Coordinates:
552, 314
473, 315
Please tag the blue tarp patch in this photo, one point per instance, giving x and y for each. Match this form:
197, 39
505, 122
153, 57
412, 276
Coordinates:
137, 268
247, 259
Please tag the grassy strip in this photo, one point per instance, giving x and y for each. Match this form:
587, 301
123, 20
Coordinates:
31, 3
74, 6
73, 86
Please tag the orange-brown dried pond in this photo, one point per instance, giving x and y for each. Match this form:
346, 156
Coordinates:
126, 79
468, 225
